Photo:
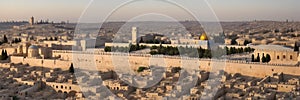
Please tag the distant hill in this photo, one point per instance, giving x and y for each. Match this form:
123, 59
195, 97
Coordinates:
9, 25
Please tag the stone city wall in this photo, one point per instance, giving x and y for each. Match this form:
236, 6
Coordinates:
47, 63
104, 61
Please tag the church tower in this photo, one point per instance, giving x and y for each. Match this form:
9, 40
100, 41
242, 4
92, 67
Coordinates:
31, 20
134, 34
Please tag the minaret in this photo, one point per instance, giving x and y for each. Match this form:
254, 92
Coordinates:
31, 20
134, 35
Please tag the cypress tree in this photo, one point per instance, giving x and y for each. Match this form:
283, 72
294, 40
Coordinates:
5, 54
268, 58
2, 55
71, 69
258, 58
5, 39
296, 47
252, 58
263, 59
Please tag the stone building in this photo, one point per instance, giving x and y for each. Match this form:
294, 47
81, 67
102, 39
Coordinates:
240, 41
33, 51
228, 41
202, 41
278, 54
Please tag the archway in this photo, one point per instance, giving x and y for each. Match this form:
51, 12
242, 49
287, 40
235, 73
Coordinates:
72, 93
59, 91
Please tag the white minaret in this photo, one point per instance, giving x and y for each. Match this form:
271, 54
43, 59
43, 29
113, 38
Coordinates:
134, 34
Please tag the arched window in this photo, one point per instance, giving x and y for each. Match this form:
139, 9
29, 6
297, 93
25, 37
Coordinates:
61, 87
277, 57
291, 57
283, 56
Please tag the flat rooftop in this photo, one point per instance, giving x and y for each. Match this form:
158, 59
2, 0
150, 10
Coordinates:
272, 47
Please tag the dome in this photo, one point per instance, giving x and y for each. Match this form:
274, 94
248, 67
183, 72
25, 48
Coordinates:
203, 36
33, 47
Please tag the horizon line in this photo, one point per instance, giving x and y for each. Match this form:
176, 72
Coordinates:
122, 21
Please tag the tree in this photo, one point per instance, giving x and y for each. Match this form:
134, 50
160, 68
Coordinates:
4, 55
153, 52
296, 47
107, 49
268, 58
252, 58
263, 59
55, 38
258, 58
227, 50
133, 48
247, 42
5, 39
19, 40
71, 69
153, 47
175, 69
141, 40
141, 69
137, 46
156, 41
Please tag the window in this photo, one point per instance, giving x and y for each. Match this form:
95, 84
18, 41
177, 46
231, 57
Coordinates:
70, 88
61, 87
283, 56
277, 57
291, 57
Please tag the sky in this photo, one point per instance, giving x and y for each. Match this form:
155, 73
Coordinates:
73, 10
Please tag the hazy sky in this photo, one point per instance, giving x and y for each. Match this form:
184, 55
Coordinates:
226, 10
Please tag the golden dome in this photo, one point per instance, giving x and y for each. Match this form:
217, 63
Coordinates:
203, 36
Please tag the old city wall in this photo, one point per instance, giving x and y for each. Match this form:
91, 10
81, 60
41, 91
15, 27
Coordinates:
260, 70
281, 57
104, 61
47, 63
245, 68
